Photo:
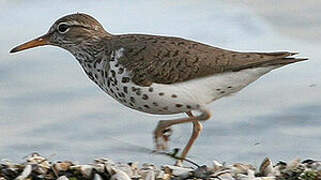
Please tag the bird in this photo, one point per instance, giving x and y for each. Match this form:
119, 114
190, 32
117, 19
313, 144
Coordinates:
159, 74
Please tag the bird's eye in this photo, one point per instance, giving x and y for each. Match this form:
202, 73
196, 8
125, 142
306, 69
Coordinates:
62, 28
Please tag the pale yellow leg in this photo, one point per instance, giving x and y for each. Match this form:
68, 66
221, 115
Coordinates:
161, 141
197, 129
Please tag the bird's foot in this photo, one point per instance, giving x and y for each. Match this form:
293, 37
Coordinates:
161, 137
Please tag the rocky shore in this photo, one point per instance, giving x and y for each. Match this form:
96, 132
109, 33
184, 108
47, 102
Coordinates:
37, 167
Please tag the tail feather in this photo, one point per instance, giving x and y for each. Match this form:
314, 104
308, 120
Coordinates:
273, 59
284, 61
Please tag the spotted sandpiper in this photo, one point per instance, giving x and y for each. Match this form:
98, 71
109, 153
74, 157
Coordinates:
159, 74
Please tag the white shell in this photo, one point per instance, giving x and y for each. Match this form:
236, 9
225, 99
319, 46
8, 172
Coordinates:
25, 173
119, 175
179, 171
226, 176
63, 178
150, 175
62, 166
217, 165
97, 177
85, 170
294, 164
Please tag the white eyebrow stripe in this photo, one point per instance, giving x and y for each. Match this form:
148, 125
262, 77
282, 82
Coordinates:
76, 23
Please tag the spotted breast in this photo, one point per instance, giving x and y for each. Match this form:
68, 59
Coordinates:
164, 98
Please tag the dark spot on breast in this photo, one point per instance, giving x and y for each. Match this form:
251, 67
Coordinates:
125, 80
125, 89
174, 96
222, 92
131, 104
229, 87
113, 73
165, 108
178, 105
144, 97
150, 89
132, 99
188, 106
161, 94
155, 103
146, 106
180, 43
116, 65
138, 93
120, 70
218, 89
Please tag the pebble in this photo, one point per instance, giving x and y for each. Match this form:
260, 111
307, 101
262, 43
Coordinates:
38, 167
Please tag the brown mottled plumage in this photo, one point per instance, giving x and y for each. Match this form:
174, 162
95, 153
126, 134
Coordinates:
168, 60
158, 74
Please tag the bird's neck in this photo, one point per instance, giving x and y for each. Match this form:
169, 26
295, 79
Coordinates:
91, 55
86, 51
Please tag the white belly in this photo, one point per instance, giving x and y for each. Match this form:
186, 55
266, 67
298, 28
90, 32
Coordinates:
178, 97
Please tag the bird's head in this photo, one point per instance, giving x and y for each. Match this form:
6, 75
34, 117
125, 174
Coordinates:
67, 32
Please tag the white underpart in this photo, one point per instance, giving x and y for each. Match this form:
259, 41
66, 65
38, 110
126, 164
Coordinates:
208, 89
178, 97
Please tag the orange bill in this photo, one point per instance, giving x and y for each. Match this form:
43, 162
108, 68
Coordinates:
40, 41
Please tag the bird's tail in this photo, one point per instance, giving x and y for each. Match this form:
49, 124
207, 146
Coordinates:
282, 58
276, 59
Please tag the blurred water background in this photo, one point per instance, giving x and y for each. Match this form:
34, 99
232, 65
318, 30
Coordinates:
48, 105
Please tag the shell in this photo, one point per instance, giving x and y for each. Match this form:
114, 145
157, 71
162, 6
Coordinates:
150, 175
97, 177
25, 173
266, 168
226, 176
202, 172
181, 172
119, 175
239, 168
85, 170
135, 170
62, 166
62, 178
125, 168
217, 166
